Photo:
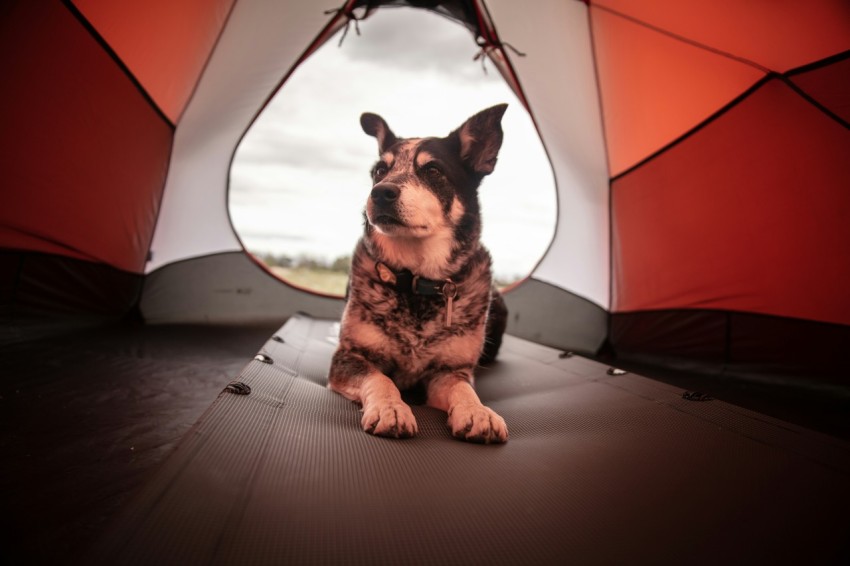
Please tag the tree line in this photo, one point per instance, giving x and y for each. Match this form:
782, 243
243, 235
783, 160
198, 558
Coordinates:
340, 264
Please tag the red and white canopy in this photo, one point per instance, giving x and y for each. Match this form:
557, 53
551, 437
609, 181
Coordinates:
701, 152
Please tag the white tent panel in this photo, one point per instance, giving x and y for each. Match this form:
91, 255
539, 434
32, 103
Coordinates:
260, 43
558, 79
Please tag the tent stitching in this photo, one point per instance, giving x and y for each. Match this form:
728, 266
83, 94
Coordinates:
813, 101
207, 61
731, 104
813, 66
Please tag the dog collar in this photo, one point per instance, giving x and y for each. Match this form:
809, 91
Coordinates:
405, 281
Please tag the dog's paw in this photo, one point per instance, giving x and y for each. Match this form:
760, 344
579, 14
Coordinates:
477, 423
393, 419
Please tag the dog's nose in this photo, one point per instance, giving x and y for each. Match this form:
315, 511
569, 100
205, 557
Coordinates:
385, 193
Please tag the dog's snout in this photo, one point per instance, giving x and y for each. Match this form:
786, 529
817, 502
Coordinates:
385, 193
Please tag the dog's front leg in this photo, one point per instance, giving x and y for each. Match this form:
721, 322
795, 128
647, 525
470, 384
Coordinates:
384, 413
468, 418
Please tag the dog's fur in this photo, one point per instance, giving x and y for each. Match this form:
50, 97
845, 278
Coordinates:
422, 215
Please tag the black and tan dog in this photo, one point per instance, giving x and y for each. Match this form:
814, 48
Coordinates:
421, 308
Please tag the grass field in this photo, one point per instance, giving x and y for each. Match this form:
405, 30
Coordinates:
321, 280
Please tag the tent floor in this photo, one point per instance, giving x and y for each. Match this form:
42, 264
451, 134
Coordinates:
86, 416
599, 468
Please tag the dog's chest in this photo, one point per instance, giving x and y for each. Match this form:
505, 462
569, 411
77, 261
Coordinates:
413, 324
408, 335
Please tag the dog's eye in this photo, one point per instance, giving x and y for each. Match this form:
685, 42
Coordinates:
381, 170
432, 171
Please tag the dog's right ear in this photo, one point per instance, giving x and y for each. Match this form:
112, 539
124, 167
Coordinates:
376, 127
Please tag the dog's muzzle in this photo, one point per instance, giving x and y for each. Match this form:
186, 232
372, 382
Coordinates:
382, 211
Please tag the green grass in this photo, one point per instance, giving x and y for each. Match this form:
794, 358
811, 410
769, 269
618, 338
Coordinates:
320, 280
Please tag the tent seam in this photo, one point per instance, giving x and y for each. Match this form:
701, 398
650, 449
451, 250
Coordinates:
161, 198
813, 101
813, 66
100, 40
684, 39
716, 115
206, 62
607, 166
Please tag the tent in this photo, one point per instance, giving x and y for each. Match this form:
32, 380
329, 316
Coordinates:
701, 176
700, 151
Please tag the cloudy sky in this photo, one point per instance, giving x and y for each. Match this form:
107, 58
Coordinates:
300, 178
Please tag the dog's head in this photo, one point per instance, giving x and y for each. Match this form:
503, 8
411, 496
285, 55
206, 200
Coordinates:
425, 187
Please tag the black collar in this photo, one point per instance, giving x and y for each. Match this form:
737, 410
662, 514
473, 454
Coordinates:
406, 282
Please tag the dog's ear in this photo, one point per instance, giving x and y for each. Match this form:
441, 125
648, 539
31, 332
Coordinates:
480, 138
376, 127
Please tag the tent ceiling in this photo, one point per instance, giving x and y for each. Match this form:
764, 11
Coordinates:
655, 94
775, 35
164, 43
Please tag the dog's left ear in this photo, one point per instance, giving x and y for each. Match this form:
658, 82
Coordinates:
376, 127
480, 138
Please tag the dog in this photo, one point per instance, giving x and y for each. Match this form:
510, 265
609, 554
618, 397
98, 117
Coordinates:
421, 308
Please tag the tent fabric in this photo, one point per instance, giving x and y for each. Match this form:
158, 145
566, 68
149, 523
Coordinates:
85, 156
558, 80
551, 316
778, 36
655, 94
699, 151
692, 58
226, 288
257, 50
165, 44
778, 245
284, 475
724, 344
69, 293
828, 84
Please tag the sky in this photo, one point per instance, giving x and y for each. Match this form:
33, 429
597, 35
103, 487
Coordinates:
300, 177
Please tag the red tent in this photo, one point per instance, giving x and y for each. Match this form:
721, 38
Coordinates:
701, 152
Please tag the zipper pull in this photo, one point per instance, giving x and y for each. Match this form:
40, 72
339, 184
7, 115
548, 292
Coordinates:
449, 292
